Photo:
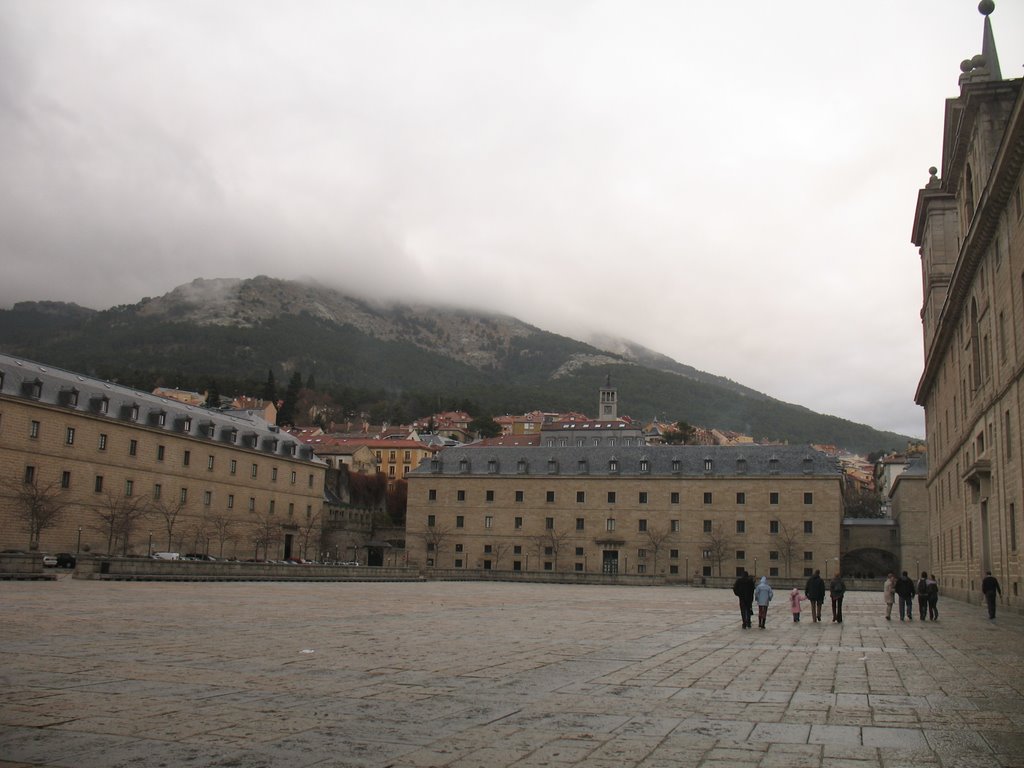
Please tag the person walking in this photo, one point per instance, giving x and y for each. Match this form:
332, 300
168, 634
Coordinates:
889, 592
743, 588
922, 596
763, 595
836, 590
990, 589
815, 591
905, 591
795, 598
933, 598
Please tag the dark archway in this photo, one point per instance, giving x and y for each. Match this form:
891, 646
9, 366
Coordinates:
869, 563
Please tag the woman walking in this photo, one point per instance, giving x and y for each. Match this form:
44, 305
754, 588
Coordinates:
763, 595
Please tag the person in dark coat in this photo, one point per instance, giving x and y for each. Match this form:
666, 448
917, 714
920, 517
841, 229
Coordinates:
815, 591
836, 590
922, 596
933, 598
990, 589
743, 588
905, 591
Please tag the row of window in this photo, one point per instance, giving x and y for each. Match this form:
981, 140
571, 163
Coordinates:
100, 484
643, 497
248, 439
641, 553
161, 454
583, 465
774, 526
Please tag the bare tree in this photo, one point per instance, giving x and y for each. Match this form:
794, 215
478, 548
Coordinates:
788, 544
500, 550
168, 512
549, 543
657, 538
435, 539
223, 528
37, 506
266, 533
306, 531
717, 545
118, 515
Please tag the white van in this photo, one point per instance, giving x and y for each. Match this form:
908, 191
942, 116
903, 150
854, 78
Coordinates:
166, 556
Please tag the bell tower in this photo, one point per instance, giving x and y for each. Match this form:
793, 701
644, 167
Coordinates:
608, 401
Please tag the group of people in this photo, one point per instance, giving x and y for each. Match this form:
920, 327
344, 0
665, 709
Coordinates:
902, 587
762, 594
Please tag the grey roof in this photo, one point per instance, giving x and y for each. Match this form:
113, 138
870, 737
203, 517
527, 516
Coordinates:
663, 460
40, 383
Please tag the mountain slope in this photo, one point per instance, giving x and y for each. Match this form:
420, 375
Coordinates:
237, 330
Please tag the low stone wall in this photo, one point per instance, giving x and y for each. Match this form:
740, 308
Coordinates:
146, 569
24, 566
540, 577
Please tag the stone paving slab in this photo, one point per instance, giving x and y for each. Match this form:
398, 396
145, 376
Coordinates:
468, 675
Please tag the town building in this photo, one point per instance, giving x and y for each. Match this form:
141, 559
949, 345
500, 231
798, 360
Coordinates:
667, 510
969, 227
129, 472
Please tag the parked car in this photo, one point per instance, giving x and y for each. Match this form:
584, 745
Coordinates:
49, 561
166, 556
350, 562
66, 560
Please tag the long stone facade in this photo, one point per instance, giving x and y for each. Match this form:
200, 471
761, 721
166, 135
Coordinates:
969, 227
680, 512
132, 473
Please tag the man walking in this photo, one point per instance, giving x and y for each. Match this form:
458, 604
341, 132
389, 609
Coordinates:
743, 588
836, 590
990, 589
905, 591
815, 591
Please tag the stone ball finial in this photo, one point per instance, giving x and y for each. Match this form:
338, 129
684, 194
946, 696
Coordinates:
966, 66
933, 170
977, 61
985, 7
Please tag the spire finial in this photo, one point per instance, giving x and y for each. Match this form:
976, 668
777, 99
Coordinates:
988, 41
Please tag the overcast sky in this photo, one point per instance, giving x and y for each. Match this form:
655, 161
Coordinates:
730, 184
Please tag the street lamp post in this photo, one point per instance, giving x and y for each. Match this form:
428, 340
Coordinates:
78, 546
150, 552
755, 566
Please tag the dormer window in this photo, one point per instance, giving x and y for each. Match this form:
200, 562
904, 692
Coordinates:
135, 413
613, 465
187, 426
808, 465
645, 465
34, 389
708, 464
677, 465
492, 466
435, 465
773, 465
161, 418
581, 467
552, 466
741, 465
464, 466
521, 466
233, 436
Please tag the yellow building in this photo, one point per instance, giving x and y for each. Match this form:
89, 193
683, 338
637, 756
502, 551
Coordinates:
969, 226
667, 510
86, 465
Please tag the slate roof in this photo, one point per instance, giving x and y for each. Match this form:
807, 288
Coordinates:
40, 383
661, 460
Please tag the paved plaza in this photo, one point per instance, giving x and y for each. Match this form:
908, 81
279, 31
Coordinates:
474, 675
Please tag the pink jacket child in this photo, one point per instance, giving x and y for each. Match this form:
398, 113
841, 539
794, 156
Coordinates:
795, 598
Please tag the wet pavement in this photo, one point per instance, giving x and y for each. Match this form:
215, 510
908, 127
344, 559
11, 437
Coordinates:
474, 675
